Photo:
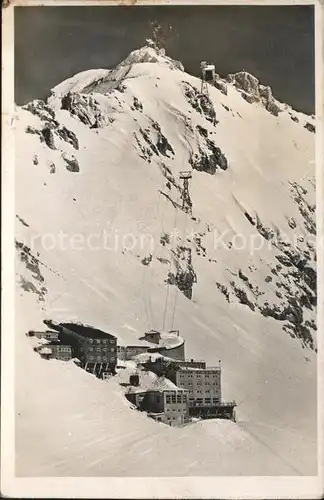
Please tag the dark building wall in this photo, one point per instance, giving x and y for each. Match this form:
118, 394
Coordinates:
153, 401
94, 350
175, 353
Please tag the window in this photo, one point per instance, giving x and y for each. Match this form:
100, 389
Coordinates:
98, 349
112, 349
168, 399
112, 341
98, 358
179, 399
90, 341
112, 359
105, 341
91, 358
90, 349
105, 358
173, 399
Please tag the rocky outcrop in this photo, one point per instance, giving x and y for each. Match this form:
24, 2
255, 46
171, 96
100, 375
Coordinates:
51, 129
310, 126
155, 143
33, 265
40, 109
200, 102
185, 276
86, 109
220, 84
252, 91
72, 164
209, 158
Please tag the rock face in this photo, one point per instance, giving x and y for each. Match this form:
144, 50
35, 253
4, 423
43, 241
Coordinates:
85, 108
72, 164
185, 276
252, 91
51, 130
200, 102
209, 157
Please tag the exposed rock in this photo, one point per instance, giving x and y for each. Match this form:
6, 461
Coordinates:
200, 102
220, 84
147, 260
48, 136
223, 290
185, 275
252, 91
162, 144
72, 164
40, 109
242, 296
245, 81
85, 108
52, 168
31, 263
310, 127
250, 98
165, 239
137, 104
23, 222
209, 160
68, 136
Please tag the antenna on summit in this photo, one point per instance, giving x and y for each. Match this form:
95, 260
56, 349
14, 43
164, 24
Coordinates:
207, 75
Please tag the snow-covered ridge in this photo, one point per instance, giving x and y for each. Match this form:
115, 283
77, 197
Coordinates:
107, 158
103, 80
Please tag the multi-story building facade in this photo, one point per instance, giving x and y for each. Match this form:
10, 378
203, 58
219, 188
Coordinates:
51, 335
167, 406
55, 350
128, 352
203, 385
96, 350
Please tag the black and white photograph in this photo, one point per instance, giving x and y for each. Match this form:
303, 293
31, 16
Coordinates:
166, 253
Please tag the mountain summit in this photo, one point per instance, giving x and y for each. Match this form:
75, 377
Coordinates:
103, 237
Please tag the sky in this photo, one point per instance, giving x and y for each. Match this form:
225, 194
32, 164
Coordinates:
276, 44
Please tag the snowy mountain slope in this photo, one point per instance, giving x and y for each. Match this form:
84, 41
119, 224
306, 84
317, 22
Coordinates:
105, 232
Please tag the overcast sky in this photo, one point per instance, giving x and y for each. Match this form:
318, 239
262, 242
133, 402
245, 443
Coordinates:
276, 44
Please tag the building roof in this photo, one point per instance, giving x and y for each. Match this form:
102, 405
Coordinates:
87, 331
192, 369
57, 343
137, 346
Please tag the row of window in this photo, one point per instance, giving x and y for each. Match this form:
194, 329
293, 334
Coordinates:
101, 341
198, 375
200, 392
206, 400
102, 349
181, 398
206, 384
101, 359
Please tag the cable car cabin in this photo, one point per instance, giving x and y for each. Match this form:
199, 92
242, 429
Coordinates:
208, 72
